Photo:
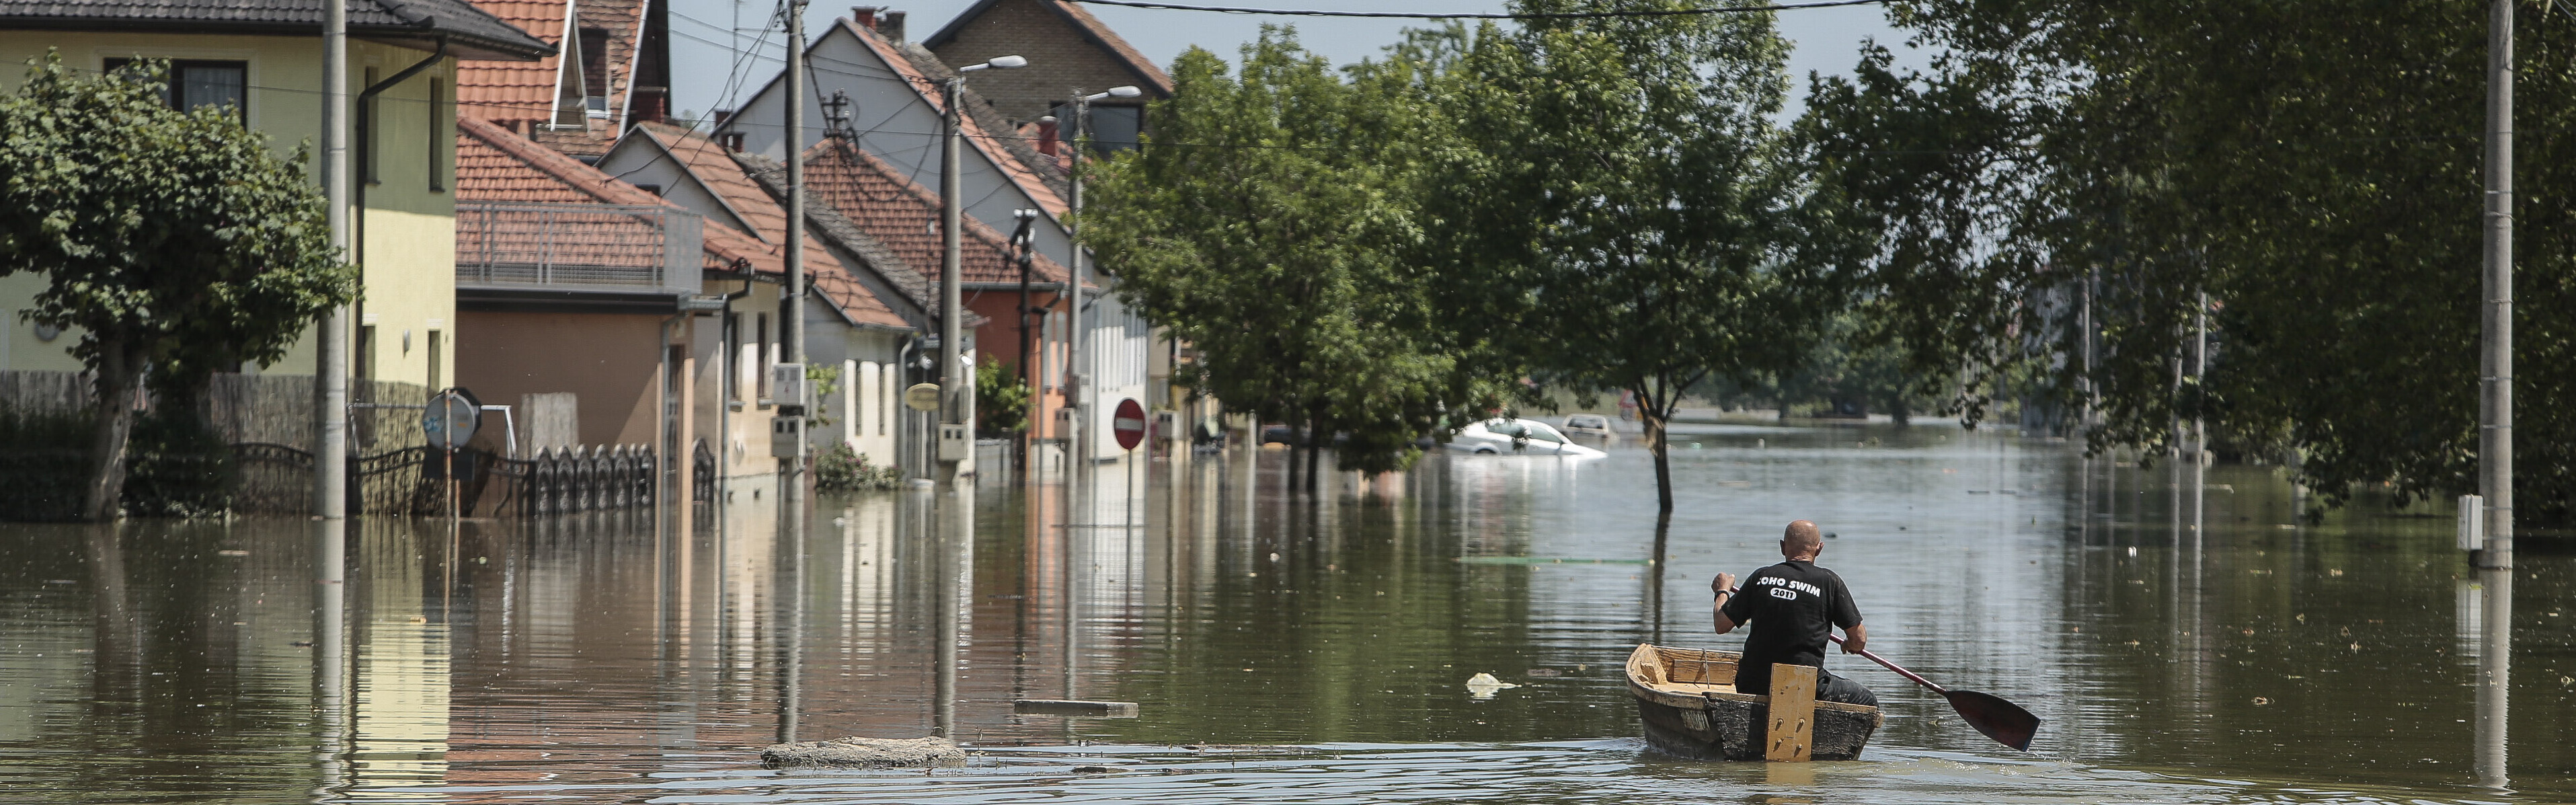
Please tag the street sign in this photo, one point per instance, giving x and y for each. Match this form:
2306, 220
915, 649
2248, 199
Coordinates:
922, 397
452, 417
1129, 424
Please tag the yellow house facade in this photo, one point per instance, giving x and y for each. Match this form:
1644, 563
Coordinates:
267, 61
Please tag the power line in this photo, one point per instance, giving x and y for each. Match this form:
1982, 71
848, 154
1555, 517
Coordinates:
1499, 15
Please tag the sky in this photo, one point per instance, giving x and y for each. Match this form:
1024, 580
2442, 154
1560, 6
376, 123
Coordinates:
710, 70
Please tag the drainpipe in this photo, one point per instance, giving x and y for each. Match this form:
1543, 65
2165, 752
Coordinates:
725, 367
358, 188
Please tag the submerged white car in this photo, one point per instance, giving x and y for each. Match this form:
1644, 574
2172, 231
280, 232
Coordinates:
1517, 437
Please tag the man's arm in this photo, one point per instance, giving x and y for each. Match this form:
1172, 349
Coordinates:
1856, 638
1724, 585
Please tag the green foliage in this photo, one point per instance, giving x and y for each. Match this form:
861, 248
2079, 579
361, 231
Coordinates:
1843, 370
1001, 399
179, 467
1626, 214
2314, 170
170, 239
826, 381
1271, 225
841, 469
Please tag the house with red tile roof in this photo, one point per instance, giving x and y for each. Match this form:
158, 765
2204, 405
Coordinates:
570, 277
895, 112
842, 257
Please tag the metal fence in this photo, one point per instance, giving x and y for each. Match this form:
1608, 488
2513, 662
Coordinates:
615, 245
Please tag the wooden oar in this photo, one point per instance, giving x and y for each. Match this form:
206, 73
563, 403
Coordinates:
2001, 720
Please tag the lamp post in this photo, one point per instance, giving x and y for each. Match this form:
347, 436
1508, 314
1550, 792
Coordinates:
954, 384
1077, 380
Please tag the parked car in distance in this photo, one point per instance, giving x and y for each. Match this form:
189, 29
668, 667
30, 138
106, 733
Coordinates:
1589, 425
1506, 436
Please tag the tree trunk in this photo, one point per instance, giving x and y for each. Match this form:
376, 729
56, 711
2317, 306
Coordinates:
1314, 447
1652, 411
1295, 450
118, 372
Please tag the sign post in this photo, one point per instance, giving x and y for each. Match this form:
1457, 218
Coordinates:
1128, 425
450, 421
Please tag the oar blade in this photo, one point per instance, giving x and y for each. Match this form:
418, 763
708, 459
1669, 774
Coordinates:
2001, 720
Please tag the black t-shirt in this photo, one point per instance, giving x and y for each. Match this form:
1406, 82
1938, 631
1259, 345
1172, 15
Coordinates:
1792, 606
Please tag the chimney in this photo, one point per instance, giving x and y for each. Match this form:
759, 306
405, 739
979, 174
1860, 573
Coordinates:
865, 16
1046, 135
892, 26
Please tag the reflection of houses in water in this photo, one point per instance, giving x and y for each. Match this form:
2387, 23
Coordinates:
398, 678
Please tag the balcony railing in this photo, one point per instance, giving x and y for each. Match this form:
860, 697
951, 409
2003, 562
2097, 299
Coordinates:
573, 246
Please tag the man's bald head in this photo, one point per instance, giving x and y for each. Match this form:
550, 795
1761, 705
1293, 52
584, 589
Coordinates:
1802, 541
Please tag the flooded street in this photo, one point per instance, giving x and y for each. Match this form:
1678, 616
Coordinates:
2183, 635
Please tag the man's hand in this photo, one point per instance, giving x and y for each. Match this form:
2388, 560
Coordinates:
1723, 583
1856, 639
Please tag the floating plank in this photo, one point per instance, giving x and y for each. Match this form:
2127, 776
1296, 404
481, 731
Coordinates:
1793, 713
1071, 707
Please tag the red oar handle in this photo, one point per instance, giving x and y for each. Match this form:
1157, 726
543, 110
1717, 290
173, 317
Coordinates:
1899, 669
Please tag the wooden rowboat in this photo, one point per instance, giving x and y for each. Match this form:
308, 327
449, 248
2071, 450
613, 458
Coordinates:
1688, 700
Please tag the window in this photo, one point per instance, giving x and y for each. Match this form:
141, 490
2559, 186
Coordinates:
594, 69
1115, 128
765, 354
442, 113
366, 352
367, 129
733, 351
195, 83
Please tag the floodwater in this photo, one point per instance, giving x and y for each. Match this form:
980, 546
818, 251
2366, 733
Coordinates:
2183, 636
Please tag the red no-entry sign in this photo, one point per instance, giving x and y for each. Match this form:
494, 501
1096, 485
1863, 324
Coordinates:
1129, 424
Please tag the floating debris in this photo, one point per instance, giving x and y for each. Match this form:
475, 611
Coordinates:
1484, 686
1072, 707
866, 753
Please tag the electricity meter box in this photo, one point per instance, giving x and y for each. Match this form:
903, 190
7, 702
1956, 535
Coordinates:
787, 386
956, 442
785, 433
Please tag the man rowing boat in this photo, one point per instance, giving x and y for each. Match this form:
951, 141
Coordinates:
1793, 606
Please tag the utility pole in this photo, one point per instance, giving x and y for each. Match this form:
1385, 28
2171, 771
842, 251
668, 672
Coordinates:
331, 364
955, 384
1077, 388
794, 320
2495, 417
331, 391
1076, 442
1021, 238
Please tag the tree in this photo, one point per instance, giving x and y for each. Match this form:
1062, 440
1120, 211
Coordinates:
1268, 224
2312, 171
1628, 217
166, 238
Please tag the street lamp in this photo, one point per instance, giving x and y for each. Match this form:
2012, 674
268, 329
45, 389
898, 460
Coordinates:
956, 438
1080, 385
